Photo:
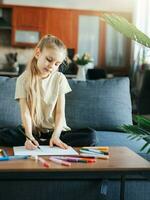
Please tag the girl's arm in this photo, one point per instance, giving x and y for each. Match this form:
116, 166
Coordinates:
27, 124
59, 121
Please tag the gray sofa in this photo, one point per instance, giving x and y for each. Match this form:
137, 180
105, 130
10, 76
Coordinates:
104, 105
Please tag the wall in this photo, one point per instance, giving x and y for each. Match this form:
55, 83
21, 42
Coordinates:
105, 5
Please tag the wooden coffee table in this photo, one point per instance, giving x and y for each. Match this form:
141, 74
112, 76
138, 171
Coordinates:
122, 162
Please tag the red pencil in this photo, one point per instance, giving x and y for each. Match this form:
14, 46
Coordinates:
43, 162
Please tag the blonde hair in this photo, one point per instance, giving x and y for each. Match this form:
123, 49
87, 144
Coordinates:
32, 87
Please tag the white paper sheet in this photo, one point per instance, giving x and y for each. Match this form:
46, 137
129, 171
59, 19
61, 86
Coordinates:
44, 150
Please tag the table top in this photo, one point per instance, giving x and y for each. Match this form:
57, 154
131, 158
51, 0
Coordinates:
120, 159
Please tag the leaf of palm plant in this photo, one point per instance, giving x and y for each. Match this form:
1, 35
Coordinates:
144, 146
135, 137
148, 151
128, 29
136, 132
143, 122
147, 139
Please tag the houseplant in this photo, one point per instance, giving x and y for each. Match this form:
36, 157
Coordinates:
129, 30
83, 60
141, 130
82, 63
142, 127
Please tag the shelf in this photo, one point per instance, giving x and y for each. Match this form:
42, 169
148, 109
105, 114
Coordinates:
4, 24
70, 76
11, 74
5, 28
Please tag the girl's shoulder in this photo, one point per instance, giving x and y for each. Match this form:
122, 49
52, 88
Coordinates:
59, 75
22, 77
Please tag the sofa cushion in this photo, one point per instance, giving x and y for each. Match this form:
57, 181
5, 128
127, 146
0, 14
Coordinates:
110, 138
103, 104
9, 108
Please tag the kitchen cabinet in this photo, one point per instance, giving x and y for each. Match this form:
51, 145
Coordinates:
63, 24
29, 24
29, 17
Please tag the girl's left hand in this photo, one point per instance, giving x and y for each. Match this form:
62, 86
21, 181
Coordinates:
55, 141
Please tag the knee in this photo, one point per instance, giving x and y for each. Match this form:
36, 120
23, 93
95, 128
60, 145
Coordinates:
91, 135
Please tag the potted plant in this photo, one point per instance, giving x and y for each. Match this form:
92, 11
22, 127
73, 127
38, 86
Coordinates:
141, 130
142, 127
82, 63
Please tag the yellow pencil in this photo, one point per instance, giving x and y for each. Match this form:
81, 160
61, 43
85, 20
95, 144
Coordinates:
102, 148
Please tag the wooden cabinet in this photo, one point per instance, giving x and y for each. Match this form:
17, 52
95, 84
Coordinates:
28, 22
27, 17
63, 24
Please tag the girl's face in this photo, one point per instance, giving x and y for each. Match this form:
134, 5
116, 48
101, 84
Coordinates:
48, 60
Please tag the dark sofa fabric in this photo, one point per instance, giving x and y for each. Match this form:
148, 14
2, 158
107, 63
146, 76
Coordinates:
103, 105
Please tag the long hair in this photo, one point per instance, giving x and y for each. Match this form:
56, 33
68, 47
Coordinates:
32, 84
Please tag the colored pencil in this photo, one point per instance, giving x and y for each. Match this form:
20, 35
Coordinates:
59, 161
76, 159
13, 158
43, 161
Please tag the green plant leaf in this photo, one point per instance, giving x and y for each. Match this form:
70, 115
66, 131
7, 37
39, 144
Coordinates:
122, 25
144, 146
148, 151
139, 131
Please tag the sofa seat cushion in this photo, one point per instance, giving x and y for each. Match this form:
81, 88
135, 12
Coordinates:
109, 138
103, 104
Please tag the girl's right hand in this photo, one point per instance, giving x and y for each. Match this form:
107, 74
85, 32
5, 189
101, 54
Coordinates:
31, 145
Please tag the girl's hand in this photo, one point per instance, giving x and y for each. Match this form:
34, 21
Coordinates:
56, 141
31, 145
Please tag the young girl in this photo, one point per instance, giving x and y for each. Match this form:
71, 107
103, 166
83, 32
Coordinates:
41, 91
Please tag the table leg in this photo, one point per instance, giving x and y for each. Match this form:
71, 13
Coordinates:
122, 188
103, 190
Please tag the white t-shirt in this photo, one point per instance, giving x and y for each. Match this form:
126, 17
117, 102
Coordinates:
52, 86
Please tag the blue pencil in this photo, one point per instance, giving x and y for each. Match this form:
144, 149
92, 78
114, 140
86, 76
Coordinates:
13, 158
